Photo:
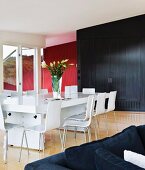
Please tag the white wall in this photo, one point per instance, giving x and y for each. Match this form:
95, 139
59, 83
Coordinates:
24, 39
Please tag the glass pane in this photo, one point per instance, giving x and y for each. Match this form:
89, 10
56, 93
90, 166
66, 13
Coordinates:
10, 54
28, 71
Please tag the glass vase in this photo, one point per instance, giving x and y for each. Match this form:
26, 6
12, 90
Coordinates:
56, 86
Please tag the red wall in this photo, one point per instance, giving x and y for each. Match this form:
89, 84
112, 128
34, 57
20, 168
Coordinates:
57, 53
28, 80
8, 86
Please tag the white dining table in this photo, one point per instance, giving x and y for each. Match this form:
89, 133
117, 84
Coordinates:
29, 110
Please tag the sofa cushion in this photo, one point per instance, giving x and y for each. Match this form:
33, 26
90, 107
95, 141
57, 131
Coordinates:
134, 158
105, 160
48, 166
141, 132
53, 162
83, 157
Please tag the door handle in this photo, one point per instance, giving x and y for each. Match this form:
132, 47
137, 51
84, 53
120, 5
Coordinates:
35, 117
9, 114
109, 80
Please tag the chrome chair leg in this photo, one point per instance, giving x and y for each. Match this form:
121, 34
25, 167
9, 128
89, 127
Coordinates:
21, 145
39, 141
75, 131
85, 135
43, 138
115, 121
97, 121
61, 140
27, 143
64, 137
97, 118
7, 139
96, 134
89, 134
106, 116
5, 146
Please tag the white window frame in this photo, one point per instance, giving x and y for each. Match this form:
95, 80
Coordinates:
19, 68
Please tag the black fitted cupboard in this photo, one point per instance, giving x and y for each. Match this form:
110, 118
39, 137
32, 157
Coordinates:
112, 57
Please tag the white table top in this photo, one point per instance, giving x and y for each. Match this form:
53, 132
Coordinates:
38, 103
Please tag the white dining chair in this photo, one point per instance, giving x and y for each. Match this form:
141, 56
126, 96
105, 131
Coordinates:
52, 121
67, 92
5, 127
88, 91
43, 91
84, 124
9, 93
111, 107
71, 91
82, 115
99, 109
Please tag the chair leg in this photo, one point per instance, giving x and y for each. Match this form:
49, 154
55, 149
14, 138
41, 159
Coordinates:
27, 143
39, 141
21, 145
85, 135
106, 116
61, 140
96, 134
115, 121
97, 118
43, 138
75, 132
64, 137
7, 139
5, 146
89, 134
97, 121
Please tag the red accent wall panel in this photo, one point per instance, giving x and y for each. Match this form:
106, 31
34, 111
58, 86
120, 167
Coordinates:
28, 82
8, 86
57, 53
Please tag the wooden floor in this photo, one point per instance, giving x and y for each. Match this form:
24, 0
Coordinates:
123, 120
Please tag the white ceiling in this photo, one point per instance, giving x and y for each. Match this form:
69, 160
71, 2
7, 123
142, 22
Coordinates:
54, 17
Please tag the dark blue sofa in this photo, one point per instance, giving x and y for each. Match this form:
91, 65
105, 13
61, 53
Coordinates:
105, 154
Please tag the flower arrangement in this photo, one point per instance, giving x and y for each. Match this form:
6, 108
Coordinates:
56, 68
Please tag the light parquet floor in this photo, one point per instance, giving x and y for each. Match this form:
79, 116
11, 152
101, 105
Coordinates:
123, 120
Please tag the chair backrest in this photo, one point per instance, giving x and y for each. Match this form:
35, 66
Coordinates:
100, 105
14, 93
2, 123
53, 115
43, 91
67, 92
88, 91
71, 91
111, 101
9, 93
90, 107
